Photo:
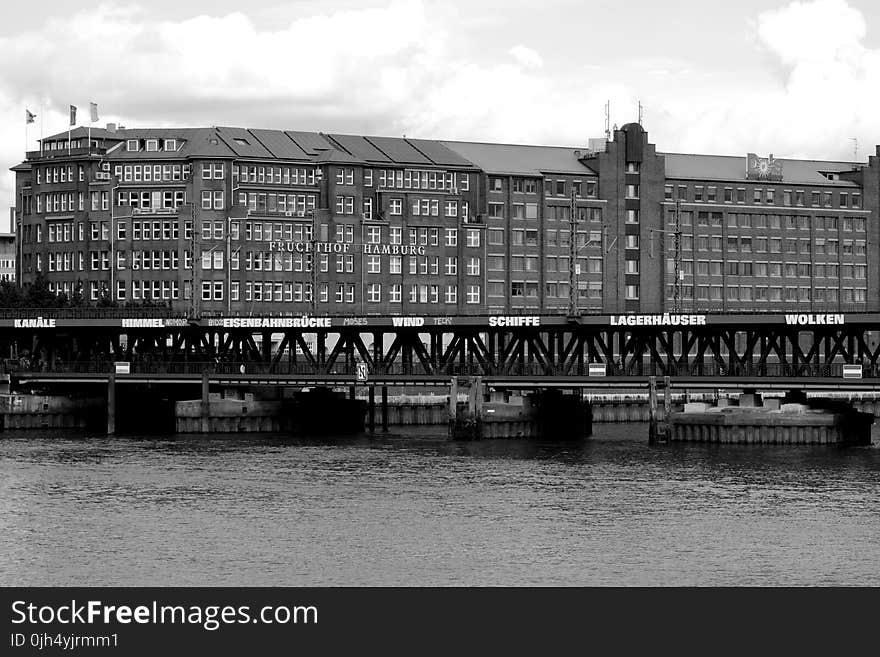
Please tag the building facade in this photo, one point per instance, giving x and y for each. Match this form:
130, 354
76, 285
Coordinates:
217, 221
7, 257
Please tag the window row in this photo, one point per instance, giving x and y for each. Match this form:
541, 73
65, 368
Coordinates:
760, 293
418, 179
292, 204
558, 187
271, 175
151, 172
759, 195
150, 145
56, 174
816, 246
153, 199
772, 221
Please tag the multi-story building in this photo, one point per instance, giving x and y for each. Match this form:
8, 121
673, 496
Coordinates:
236, 221
7, 257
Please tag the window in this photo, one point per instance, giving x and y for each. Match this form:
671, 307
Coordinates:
170, 145
473, 294
395, 206
131, 145
206, 200
473, 267
632, 292
374, 292
473, 238
632, 241
632, 216
152, 145
632, 191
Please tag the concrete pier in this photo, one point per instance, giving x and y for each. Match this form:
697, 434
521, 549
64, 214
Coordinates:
543, 414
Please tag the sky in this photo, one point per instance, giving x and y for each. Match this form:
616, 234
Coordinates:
796, 79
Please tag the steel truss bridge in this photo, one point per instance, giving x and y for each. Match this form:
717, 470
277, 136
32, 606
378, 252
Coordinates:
513, 350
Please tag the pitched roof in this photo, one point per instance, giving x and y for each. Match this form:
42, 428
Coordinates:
361, 147
439, 154
242, 142
280, 144
516, 159
733, 168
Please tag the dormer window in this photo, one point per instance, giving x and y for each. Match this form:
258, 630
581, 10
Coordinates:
131, 145
152, 145
170, 144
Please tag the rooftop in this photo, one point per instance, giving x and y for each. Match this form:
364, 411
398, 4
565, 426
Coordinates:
504, 159
513, 159
733, 168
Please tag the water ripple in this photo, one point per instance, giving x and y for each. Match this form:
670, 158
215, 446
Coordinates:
256, 510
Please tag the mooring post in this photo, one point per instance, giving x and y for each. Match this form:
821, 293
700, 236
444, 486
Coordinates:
385, 408
453, 399
111, 404
372, 408
667, 399
652, 409
204, 420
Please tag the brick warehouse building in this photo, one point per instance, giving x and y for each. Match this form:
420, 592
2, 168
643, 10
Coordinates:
228, 221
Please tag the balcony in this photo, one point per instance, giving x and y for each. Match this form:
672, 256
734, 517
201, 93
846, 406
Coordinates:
64, 153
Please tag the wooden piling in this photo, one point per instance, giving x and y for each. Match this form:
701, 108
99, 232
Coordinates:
372, 408
111, 405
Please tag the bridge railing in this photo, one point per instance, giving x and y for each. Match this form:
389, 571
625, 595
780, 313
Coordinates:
533, 370
92, 313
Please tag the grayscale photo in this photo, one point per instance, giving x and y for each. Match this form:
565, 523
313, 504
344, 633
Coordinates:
434, 294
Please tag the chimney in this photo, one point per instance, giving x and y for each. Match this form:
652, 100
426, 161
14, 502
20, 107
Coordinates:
111, 127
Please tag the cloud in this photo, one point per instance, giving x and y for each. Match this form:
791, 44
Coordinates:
405, 68
526, 57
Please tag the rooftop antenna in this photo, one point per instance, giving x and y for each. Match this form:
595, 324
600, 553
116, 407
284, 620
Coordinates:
607, 120
855, 141
641, 107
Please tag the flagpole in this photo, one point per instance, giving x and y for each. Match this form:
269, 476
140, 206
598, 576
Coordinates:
41, 129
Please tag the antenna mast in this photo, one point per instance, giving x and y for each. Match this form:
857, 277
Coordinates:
855, 141
641, 107
607, 120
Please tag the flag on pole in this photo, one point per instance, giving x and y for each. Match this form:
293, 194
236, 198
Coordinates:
29, 116
93, 109
73, 115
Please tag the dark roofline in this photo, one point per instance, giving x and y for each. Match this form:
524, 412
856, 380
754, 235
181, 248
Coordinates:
792, 159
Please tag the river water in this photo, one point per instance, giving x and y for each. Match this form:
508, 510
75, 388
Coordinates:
420, 510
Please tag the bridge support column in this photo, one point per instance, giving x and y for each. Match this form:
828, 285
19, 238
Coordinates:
453, 399
351, 392
667, 399
385, 409
111, 405
372, 408
204, 423
652, 409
